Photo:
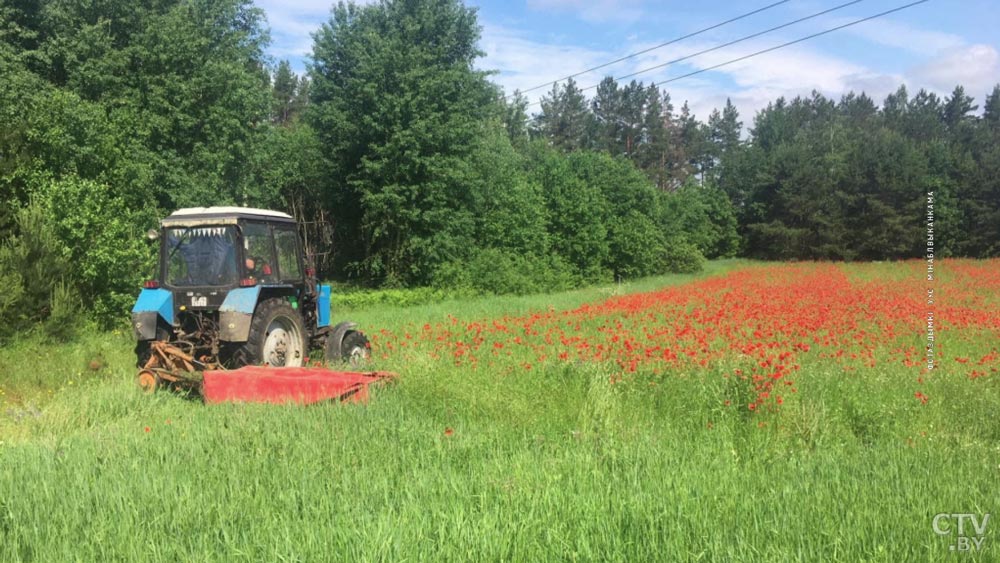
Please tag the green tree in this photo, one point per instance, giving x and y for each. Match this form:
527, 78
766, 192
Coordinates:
284, 90
691, 138
991, 109
515, 118
398, 104
575, 215
724, 130
158, 101
565, 121
607, 107
630, 212
654, 156
957, 108
508, 206
702, 216
104, 242
32, 263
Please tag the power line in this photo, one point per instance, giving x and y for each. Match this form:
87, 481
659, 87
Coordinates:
763, 51
740, 40
727, 44
799, 40
644, 51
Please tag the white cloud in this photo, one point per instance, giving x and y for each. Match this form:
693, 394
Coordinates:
292, 23
906, 37
793, 68
524, 63
750, 84
976, 67
597, 11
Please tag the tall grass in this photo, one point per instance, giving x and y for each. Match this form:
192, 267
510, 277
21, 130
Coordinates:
503, 464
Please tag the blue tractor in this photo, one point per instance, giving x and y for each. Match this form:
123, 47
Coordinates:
234, 288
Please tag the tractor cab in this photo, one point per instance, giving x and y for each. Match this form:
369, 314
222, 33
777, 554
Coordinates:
232, 287
208, 251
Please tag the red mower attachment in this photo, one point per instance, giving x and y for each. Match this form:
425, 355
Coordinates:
260, 384
169, 366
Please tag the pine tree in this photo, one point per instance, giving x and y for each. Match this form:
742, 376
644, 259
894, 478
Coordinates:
991, 110
725, 129
606, 107
957, 108
515, 118
895, 107
723, 135
564, 120
691, 138
283, 90
653, 154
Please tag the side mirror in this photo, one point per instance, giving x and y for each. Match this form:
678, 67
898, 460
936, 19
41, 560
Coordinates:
152, 235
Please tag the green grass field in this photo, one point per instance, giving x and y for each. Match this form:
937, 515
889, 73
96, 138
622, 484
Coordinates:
492, 461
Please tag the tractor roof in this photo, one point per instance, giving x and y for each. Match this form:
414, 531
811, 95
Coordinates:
192, 216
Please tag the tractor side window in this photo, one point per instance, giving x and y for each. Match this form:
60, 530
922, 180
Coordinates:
288, 254
258, 253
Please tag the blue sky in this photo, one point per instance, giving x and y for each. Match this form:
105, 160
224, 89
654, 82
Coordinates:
934, 45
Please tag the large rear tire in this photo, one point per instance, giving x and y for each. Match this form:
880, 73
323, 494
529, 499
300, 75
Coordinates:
277, 336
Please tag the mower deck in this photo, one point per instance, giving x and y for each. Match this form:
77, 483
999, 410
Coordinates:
259, 384
170, 366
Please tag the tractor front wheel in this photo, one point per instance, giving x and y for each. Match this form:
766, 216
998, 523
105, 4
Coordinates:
354, 349
277, 336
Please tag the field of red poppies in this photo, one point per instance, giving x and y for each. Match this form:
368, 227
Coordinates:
755, 412
758, 324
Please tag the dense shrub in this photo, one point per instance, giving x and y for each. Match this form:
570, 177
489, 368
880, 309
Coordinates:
350, 297
72, 240
64, 313
705, 216
637, 246
682, 257
575, 213
33, 261
103, 240
501, 272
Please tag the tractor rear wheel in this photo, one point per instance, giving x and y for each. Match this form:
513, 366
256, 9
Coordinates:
277, 336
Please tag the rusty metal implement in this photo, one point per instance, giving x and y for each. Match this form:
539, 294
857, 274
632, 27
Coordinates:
169, 366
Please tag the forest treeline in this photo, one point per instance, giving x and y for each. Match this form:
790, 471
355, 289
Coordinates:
408, 166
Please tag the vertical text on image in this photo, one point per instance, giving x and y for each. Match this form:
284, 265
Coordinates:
930, 280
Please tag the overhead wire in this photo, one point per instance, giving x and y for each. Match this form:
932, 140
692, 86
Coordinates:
762, 51
655, 47
740, 40
793, 42
726, 44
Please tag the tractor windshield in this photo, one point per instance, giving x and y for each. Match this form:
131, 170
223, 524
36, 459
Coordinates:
201, 256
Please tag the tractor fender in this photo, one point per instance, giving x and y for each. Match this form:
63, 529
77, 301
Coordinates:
236, 313
152, 305
336, 338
